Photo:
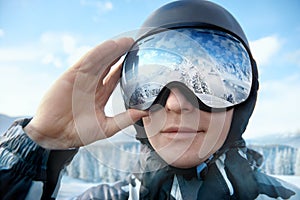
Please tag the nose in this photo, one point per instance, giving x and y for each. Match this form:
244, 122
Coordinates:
177, 102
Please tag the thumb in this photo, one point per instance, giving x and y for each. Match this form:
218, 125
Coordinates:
125, 119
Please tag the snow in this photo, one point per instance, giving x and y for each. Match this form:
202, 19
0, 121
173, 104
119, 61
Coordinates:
295, 180
71, 187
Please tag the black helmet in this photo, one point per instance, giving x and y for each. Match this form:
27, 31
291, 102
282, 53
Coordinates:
204, 14
193, 13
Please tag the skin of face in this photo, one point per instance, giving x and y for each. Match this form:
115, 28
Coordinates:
183, 135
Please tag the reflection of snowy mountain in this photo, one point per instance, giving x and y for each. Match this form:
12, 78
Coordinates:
202, 76
208, 62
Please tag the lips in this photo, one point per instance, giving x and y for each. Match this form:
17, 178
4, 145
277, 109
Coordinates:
181, 130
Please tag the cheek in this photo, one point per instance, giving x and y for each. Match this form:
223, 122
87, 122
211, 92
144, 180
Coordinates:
217, 133
154, 122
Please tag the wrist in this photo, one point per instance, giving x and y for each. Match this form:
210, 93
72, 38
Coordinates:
49, 138
35, 136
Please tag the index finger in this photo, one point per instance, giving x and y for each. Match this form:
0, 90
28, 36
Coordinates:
99, 59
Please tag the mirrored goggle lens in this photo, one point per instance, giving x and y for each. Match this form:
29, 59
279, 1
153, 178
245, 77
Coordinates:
214, 65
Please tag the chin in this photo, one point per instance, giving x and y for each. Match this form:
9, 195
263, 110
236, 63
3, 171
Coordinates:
186, 162
184, 165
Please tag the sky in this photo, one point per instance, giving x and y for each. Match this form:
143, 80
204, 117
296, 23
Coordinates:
40, 39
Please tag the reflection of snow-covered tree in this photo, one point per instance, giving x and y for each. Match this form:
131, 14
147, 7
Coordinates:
199, 85
143, 93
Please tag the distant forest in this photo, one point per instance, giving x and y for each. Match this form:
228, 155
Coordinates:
114, 161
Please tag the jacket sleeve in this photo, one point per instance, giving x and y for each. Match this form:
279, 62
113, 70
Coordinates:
28, 171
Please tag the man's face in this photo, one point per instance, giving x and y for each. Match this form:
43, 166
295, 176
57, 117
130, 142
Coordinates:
183, 135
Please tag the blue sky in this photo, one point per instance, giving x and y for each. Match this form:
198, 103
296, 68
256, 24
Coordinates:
40, 39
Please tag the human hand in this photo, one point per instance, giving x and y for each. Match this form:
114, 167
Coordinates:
71, 114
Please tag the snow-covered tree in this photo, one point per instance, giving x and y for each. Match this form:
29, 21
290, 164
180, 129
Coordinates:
278, 164
73, 167
297, 163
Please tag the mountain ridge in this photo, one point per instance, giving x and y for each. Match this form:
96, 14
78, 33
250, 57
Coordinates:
6, 121
290, 139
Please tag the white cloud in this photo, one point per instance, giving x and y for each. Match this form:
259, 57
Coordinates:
57, 49
69, 43
62, 49
58, 42
21, 90
108, 6
277, 110
22, 82
50, 59
101, 6
18, 53
264, 49
1, 33
293, 57
76, 54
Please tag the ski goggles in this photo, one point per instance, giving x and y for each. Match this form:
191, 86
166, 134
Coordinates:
212, 64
